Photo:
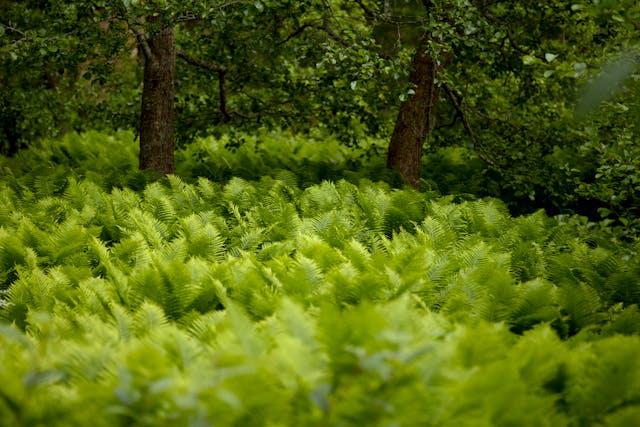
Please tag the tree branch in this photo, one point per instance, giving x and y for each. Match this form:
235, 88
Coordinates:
144, 43
369, 14
295, 33
324, 27
465, 122
327, 29
199, 62
223, 95
15, 30
222, 86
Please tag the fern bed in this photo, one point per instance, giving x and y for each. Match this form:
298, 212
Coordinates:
210, 298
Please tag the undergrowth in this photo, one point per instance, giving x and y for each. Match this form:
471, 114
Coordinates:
205, 298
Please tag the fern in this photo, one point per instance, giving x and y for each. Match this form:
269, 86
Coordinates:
148, 319
123, 322
240, 193
582, 304
261, 303
13, 254
313, 247
303, 279
319, 199
373, 203
436, 233
335, 228
605, 380
159, 203
404, 212
538, 302
185, 196
203, 239
528, 261
287, 177
154, 231
487, 217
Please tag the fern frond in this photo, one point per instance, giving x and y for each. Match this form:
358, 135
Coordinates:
487, 217
304, 278
335, 227
132, 251
239, 193
313, 247
206, 293
280, 216
94, 296
465, 298
82, 195
68, 244
287, 177
123, 201
251, 239
123, 322
154, 231
203, 239
528, 261
319, 198
405, 210
583, 305
148, 318
537, 303
359, 256
447, 212
532, 227
209, 191
373, 204
435, 233
13, 254
474, 256
160, 203
185, 196
251, 288
350, 287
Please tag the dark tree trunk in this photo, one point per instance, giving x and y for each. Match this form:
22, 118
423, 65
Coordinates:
156, 120
415, 119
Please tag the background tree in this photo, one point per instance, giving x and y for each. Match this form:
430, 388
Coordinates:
258, 43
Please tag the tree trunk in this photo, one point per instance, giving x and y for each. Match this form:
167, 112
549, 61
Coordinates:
415, 118
156, 120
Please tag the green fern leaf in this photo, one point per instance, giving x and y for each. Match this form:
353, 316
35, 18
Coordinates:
123, 321
148, 318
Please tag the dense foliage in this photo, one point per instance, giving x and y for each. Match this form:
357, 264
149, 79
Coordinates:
284, 274
282, 299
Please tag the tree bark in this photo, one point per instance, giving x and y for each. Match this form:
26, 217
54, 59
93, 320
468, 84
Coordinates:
156, 120
415, 118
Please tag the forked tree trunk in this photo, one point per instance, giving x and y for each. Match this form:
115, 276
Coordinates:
156, 120
415, 119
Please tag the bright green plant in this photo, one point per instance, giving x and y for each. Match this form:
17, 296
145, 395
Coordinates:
259, 302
